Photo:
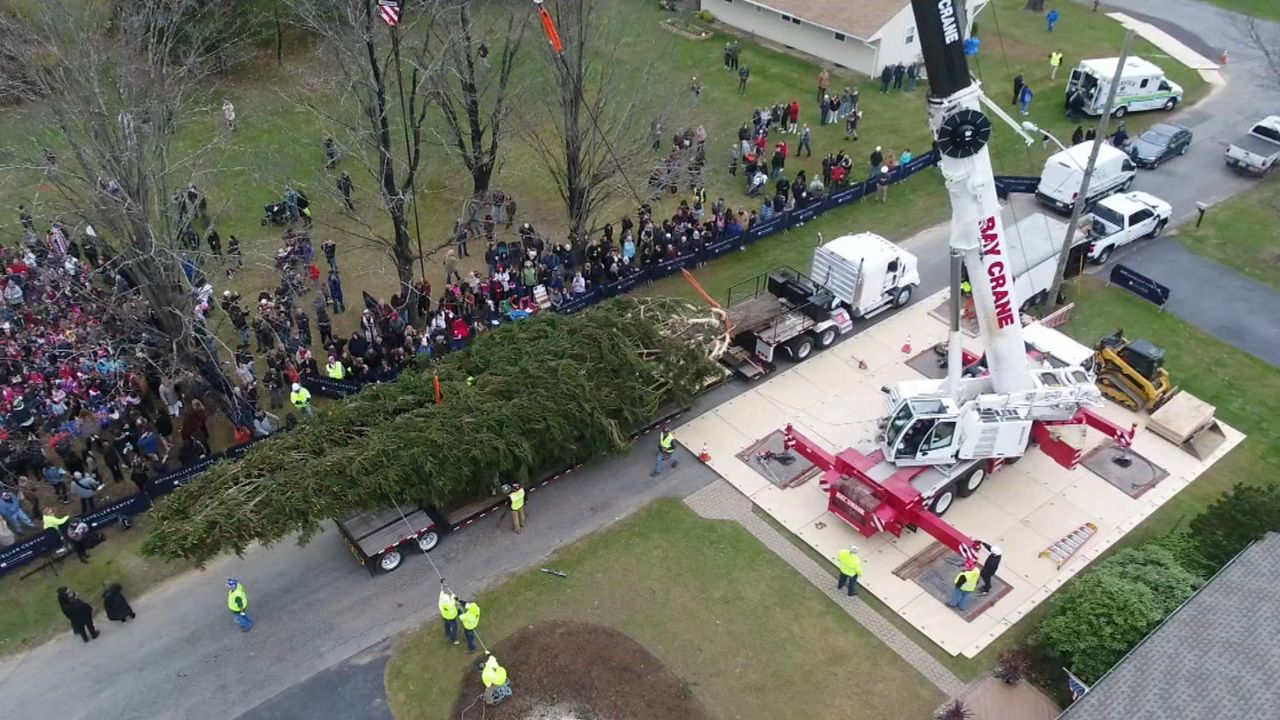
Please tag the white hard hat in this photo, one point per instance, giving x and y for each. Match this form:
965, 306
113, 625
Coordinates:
296, 387
995, 550
853, 548
877, 148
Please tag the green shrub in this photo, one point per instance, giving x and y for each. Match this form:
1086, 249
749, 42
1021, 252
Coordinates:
705, 16
1237, 518
1100, 616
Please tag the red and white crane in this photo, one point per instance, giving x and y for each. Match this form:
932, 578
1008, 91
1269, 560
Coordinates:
941, 438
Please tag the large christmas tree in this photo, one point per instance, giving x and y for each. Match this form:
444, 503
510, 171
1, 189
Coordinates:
530, 397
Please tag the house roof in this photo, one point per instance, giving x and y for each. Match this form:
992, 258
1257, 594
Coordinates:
859, 18
1215, 657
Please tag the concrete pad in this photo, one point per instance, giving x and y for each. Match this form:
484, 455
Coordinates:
1166, 42
1024, 508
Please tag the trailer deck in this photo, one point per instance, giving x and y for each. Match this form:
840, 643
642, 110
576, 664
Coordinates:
1025, 507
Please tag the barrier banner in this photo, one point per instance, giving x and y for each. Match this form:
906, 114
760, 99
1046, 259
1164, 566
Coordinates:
765, 229
581, 303
19, 554
666, 267
800, 217
718, 248
1140, 285
125, 508
926, 160
169, 482
623, 285
1006, 184
846, 195
331, 388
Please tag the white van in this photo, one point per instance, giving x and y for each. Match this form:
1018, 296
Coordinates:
1143, 86
1060, 179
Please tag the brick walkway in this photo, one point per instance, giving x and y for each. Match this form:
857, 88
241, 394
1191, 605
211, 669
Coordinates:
721, 501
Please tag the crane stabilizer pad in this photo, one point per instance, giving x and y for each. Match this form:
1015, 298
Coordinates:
1130, 472
782, 473
928, 363
934, 570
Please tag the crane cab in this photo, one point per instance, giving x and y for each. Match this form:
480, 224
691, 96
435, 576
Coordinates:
935, 431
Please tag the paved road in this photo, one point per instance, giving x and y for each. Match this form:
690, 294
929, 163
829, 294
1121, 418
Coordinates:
320, 644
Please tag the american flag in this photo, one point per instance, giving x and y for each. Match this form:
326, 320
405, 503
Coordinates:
389, 11
1077, 686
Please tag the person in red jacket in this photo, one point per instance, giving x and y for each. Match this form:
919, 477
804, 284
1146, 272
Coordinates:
794, 111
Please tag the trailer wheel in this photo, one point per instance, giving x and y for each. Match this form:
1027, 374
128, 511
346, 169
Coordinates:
970, 483
826, 338
801, 348
428, 541
943, 501
902, 296
390, 560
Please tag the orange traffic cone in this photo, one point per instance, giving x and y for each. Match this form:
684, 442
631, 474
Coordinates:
704, 456
906, 346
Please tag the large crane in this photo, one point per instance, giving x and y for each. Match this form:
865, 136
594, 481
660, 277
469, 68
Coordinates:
937, 422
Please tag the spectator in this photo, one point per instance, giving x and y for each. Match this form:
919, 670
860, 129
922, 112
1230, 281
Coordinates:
116, 604
824, 81
1024, 100
1121, 136
1077, 137
79, 612
913, 73
1051, 19
899, 74
806, 137
1018, 83
877, 159
886, 77
265, 424
883, 181
744, 74
85, 487
14, 515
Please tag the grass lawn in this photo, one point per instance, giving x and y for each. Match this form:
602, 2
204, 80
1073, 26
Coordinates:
31, 614
1265, 9
750, 636
1242, 233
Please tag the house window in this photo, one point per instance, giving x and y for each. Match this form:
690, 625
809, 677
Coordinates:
911, 34
839, 37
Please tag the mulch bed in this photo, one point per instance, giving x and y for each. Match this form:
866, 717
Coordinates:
585, 672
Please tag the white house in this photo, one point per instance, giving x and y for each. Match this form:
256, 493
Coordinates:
861, 35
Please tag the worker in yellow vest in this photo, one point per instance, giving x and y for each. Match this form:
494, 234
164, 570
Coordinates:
850, 569
238, 604
470, 621
666, 449
335, 369
1055, 61
496, 685
449, 612
515, 493
52, 520
965, 583
301, 399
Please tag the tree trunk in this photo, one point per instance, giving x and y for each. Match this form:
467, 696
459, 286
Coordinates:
275, 11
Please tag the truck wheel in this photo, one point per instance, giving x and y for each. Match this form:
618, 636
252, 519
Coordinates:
902, 296
389, 560
1159, 228
428, 541
943, 501
826, 338
1120, 112
1105, 256
1170, 104
970, 483
801, 348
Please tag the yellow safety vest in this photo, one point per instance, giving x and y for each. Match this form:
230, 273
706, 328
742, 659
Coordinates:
494, 675
337, 371
448, 605
849, 562
53, 521
237, 599
1055, 59
517, 499
667, 441
970, 580
301, 398
471, 616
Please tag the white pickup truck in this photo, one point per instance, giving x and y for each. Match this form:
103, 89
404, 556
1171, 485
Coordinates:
1119, 219
1259, 151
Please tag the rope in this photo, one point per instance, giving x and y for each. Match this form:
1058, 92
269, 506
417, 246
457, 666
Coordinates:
995, 15
436, 569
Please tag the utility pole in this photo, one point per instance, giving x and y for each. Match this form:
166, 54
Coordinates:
1088, 170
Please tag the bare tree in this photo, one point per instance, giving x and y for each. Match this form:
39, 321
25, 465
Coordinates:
114, 89
593, 135
472, 90
367, 55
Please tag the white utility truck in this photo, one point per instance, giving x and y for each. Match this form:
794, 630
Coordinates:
1060, 179
1143, 86
1258, 152
784, 310
1118, 220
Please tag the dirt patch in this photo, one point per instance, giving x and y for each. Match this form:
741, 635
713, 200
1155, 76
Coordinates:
571, 671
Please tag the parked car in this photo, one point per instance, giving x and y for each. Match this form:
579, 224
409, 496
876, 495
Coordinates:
1158, 143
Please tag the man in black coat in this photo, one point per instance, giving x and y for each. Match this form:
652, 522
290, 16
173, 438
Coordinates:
989, 567
79, 612
116, 605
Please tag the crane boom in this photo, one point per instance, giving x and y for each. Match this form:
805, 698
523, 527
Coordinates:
962, 132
